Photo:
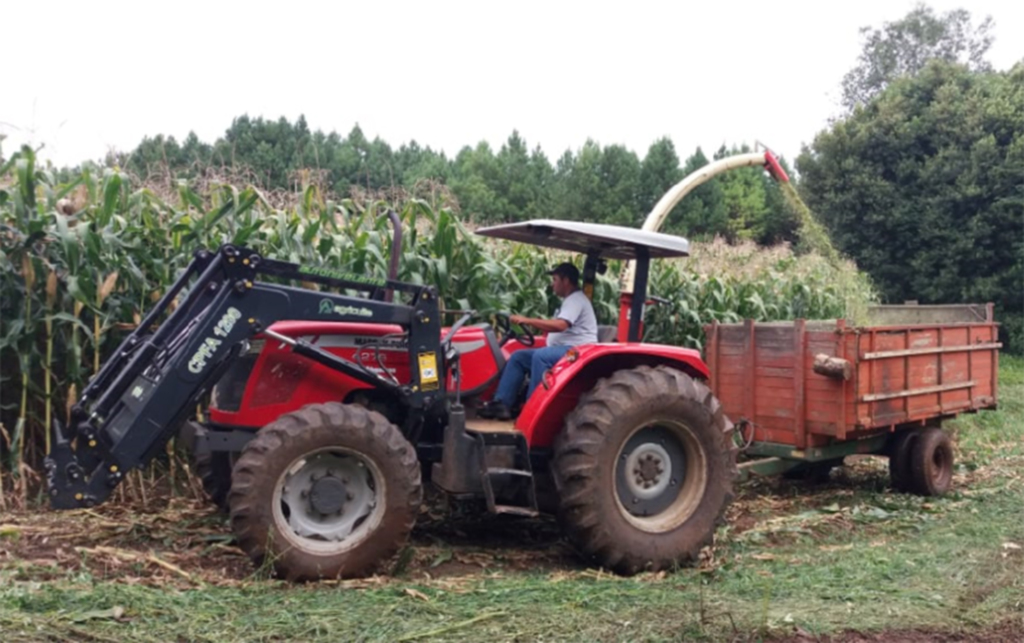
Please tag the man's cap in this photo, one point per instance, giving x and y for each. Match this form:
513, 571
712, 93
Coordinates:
566, 270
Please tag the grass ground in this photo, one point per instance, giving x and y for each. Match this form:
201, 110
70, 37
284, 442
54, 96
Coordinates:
847, 560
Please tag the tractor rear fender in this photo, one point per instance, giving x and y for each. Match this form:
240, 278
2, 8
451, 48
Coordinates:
576, 373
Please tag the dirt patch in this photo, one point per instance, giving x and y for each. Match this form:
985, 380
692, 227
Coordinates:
185, 540
188, 542
762, 501
183, 543
463, 540
1008, 632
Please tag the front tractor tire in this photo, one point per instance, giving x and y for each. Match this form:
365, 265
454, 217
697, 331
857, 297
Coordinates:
328, 491
645, 469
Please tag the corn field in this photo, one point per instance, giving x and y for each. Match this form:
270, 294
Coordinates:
81, 261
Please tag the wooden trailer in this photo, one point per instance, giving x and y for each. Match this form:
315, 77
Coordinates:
815, 391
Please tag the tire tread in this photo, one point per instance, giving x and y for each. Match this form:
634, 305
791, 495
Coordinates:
579, 448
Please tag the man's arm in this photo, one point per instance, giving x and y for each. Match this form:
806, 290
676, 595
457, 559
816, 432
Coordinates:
546, 325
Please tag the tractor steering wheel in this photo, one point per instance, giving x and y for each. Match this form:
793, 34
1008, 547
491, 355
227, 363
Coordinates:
504, 323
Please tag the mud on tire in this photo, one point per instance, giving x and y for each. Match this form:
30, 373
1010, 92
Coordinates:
328, 491
645, 469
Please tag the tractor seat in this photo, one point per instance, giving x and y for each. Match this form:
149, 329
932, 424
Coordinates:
607, 334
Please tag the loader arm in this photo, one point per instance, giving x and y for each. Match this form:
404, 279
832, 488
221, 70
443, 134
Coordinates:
152, 383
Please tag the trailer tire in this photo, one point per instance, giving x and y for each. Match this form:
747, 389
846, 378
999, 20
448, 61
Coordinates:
901, 447
644, 469
328, 491
931, 463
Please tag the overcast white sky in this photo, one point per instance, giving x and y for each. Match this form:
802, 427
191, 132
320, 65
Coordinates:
83, 77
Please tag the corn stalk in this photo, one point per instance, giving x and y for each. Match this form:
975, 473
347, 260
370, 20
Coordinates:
109, 246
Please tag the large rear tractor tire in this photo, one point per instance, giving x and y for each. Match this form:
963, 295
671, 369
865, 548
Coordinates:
328, 491
645, 469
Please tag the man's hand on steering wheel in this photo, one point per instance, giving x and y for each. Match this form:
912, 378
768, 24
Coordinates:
526, 337
505, 322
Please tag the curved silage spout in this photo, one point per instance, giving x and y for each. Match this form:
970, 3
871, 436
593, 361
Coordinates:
696, 178
660, 213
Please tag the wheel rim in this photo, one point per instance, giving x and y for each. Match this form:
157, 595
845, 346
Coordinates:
328, 501
942, 466
660, 476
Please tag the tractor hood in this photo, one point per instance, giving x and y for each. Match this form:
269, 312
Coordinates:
607, 241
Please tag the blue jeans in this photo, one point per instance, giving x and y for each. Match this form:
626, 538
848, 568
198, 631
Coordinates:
532, 361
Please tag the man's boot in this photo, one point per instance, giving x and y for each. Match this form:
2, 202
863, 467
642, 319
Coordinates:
494, 410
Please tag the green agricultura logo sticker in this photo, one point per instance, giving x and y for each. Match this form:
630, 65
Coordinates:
328, 307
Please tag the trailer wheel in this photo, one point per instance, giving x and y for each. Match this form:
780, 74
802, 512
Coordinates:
901, 447
931, 463
328, 491
644, 468
214, 471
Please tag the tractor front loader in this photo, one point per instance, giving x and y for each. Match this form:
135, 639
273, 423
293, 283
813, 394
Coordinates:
145, 392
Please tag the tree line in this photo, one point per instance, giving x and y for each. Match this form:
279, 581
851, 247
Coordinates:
607, 184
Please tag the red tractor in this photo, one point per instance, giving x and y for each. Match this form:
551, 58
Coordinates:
329, 412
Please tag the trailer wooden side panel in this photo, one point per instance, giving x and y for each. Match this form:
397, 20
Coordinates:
912, 374
764, 375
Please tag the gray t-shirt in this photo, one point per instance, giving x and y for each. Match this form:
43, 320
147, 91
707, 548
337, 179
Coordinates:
577, 310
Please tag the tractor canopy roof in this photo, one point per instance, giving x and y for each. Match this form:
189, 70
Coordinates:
606, 241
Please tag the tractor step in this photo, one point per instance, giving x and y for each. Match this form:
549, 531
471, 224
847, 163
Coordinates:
491, 426
516, 489
506, 475
490, 458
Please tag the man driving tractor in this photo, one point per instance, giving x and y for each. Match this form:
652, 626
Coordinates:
574, 323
